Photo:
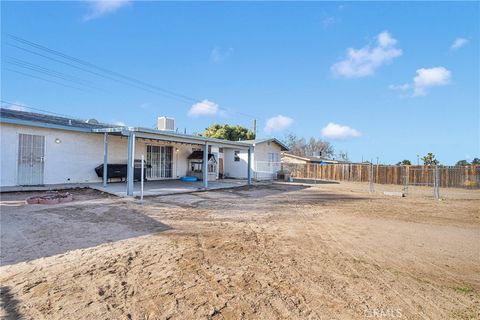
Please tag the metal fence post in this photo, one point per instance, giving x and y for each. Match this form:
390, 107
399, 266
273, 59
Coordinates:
370, 179
436, 183
405, 179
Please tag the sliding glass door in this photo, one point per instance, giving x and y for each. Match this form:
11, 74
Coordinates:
159, 162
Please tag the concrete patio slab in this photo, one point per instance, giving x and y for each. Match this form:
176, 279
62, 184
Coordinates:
167, 187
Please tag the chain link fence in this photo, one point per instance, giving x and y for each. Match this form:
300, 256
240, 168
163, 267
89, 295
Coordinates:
422, 180
266, 170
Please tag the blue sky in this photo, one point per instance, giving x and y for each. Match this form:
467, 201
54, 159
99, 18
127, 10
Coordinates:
408, 85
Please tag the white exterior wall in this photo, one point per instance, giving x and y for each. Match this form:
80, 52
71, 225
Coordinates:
238, 169
74, 159
263, 149
260, 165
232, 168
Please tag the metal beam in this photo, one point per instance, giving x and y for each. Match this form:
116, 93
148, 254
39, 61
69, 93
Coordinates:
205, 166
146, 133
249, 166
130, 163
105, 158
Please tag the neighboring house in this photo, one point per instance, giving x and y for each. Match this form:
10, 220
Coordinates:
291, 158
265, 159
40, 149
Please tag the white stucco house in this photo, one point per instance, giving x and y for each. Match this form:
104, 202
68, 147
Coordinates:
40, 149
266, 159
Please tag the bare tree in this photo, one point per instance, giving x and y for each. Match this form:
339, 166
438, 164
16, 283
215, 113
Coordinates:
318, 146
343, 156
300, 147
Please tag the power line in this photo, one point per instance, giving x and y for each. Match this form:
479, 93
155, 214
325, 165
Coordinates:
96, 67
41, 78
49, 72
90, 71
116, 74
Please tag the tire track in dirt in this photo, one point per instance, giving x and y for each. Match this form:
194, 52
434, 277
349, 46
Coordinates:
342, 249
441, 269
433, 304
412, 276
314, 244
263, 245
425, 298
307, 224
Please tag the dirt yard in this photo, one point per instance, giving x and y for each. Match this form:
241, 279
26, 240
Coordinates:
331, 251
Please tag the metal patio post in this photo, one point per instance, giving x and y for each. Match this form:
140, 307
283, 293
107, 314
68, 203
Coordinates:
105, 159
205, 166
249, 166
130, 163
142, 178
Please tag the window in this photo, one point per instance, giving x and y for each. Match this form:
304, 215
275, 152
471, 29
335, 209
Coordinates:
212, 167
159, 162
273, 157
196, 165
236, 155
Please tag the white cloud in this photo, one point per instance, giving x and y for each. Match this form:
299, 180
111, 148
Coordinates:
338, 132
100, 8
425, 78
204, 108
363, 62
430, 77
218, 54
458, 43
119, 123
17, 106
278, 123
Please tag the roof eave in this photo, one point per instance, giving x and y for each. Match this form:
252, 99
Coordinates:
152, 133
43, 125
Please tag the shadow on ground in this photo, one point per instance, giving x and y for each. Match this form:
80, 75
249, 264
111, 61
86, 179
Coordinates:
314, 182
9, 304
242, 199
30, 232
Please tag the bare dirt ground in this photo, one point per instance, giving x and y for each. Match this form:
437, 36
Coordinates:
331, 251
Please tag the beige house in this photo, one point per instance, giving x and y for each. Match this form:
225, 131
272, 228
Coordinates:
294, 159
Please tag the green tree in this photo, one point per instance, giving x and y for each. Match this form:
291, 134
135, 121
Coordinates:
462, 163
429, 160
228, 132
404, 163
476, 161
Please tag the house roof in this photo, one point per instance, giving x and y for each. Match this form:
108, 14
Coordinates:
265, 140
308, 159
72, 124
51, 119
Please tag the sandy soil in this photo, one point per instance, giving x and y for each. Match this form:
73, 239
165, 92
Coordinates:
331, 251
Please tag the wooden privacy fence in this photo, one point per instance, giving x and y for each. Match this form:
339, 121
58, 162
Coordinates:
449, 177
